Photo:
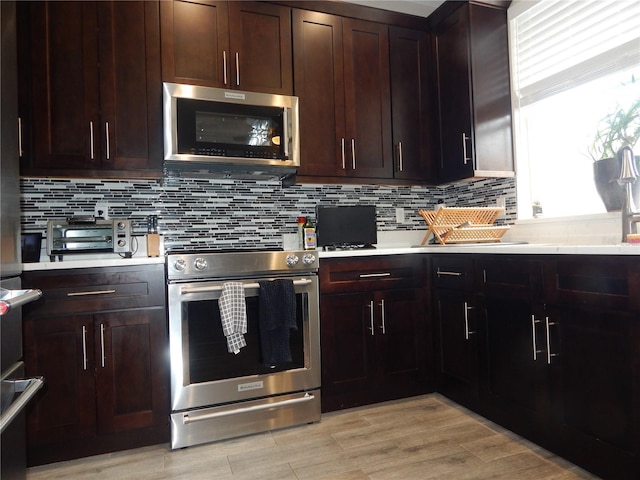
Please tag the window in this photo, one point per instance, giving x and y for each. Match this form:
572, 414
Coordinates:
572, 62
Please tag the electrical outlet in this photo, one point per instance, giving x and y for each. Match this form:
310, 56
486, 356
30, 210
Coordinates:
101, 210
501, 202
399, 215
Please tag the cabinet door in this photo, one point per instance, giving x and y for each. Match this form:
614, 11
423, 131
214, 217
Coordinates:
347, 357
367, 99
454, 96
319, 84
402, 344
195, 42
457, 322
64, 80
132, 376
410, 103
260, 45
96, 93
130, 86
517, 358
61, 350
598, 358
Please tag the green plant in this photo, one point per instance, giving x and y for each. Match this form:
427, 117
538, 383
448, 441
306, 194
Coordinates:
617, 129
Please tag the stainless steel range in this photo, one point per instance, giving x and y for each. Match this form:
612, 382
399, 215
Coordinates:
263, 375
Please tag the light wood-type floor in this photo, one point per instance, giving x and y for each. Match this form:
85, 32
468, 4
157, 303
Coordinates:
426, 437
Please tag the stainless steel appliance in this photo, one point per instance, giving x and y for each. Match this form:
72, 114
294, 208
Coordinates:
88, 235
230, 132
216, 394
15, 390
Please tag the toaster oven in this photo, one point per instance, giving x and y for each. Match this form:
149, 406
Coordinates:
88, 235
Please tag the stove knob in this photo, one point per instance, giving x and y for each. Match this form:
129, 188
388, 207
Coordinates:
180, 265
292, 260
308, 259
200, 264
120, 225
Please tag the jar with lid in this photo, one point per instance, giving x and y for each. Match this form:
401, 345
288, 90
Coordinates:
309, 235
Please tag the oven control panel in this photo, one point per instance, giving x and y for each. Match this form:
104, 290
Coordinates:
233, 264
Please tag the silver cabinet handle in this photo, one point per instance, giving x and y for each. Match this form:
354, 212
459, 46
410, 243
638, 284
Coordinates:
464, 148
224, 66
371, 327
549, 354
237, 69
102, 343
84, 347
353, 153
375, 275
91, 138
92, 292
285, 131
400, 160
20, 151
449, 274
106, 132
344, 166
467, 332
382, 310
533, 336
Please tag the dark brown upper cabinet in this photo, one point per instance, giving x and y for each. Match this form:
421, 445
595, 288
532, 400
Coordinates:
239, 45
341, 68
91, 99
411, 105
473, 91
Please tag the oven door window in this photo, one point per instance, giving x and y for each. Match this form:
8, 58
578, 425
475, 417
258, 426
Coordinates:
229, 130
208, 357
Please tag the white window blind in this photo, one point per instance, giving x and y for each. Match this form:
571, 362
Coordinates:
560, 44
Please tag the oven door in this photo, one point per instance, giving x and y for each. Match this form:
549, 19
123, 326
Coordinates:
204, 373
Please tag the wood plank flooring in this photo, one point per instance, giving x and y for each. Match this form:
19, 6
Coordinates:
426, 437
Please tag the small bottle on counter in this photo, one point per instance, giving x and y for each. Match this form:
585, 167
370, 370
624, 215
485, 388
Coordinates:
301, 222
309, 235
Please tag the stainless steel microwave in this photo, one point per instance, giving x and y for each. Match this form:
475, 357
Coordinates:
206, 126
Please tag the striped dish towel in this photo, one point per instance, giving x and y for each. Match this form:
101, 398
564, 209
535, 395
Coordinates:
233, 314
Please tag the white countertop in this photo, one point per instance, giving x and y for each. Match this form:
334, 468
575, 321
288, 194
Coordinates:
89, 261
506, 248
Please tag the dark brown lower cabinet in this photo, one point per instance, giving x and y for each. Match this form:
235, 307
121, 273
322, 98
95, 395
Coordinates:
596, 414
455, 316
550, 349
105, 369
374, 331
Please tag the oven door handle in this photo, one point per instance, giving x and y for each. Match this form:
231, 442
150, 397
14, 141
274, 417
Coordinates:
191, 418
28, 388
218, 288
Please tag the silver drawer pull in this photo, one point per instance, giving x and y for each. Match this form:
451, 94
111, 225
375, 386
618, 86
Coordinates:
93, 292
446, 273
375, 275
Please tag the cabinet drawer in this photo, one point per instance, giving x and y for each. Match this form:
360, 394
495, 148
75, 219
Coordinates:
607, 282
370, 273
510, 276
96, 289
452, 271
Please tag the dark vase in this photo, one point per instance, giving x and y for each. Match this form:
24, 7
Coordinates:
606, 172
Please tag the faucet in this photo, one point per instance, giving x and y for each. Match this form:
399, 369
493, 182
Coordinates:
628, 175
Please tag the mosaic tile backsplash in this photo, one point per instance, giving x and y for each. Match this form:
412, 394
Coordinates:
204, 213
